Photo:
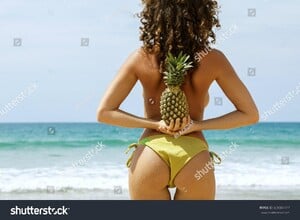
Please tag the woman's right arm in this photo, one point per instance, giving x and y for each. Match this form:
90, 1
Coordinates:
246, 112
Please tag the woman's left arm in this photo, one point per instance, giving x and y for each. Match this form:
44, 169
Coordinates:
108, 111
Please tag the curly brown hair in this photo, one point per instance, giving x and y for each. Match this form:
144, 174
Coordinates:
178, 25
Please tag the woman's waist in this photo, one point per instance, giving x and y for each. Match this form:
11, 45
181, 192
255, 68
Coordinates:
151, 132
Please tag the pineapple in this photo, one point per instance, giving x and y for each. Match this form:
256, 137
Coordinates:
173, 102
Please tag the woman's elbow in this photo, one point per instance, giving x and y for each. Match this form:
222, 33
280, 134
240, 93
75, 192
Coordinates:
101, 115
254, 117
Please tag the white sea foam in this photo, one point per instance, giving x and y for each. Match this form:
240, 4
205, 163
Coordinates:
107, 177
62, 179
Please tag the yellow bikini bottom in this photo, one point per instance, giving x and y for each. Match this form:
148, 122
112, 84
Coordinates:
176, 152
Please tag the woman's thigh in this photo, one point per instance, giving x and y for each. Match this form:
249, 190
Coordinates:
148, 175
196, 180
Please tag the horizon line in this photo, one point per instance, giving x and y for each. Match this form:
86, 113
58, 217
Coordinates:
95, 122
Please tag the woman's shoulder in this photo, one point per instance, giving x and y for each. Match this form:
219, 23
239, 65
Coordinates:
134, 59
211, 55
138, 56
214, 59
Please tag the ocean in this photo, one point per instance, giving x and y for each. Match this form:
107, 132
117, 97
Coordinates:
87, 161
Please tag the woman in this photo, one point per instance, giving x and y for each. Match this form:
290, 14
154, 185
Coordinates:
160, 160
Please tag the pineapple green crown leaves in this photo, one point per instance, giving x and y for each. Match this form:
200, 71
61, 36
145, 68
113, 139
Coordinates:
176, 69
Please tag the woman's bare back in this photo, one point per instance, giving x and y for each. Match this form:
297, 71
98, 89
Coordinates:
143, 67
195, 87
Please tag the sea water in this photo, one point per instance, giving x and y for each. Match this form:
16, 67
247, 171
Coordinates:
89, 158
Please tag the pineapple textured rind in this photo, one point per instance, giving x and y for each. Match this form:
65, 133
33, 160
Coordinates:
173, 102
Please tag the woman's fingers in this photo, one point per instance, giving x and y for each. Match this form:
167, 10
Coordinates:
171, 125
188, 120
165, 130
177, 125
184, 122
188, 128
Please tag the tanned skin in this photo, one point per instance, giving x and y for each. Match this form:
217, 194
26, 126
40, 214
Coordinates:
149, 174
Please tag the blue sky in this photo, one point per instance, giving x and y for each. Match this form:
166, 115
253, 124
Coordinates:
71, 78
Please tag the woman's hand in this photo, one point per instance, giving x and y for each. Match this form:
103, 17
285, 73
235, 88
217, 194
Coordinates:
164, 128
174, 127
189, 128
